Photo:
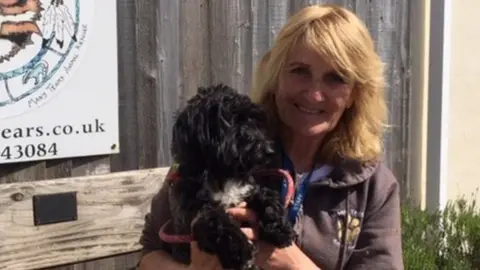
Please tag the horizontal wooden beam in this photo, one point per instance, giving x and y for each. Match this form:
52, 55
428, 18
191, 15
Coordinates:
111, 210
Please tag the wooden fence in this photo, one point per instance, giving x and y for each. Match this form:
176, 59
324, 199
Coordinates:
167, 49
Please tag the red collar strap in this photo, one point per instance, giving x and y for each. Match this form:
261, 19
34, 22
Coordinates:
172, 175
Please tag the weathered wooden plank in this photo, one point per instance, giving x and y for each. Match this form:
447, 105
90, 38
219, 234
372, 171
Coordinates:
28, 171
127, 90
389, 23
126, 261
167, 56
147, 82
111, 209
194, 51
58, 168
183, 59
231, 43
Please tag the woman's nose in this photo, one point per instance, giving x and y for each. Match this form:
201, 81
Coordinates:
316, 95
316, 91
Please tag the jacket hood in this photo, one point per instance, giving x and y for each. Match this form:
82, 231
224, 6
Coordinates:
347, 174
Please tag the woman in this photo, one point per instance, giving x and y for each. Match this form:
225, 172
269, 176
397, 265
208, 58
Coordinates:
322, 84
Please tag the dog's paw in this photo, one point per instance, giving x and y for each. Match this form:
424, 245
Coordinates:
217, 233
277, 233
273, 228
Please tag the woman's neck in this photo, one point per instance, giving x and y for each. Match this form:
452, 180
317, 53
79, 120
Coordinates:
301, 150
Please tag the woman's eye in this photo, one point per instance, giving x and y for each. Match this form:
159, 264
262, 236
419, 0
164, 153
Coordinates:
334, 78
300, 71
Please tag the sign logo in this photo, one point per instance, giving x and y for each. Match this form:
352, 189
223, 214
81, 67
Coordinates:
41, 42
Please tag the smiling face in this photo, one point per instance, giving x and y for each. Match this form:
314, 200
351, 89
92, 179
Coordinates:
323, 75
311, 95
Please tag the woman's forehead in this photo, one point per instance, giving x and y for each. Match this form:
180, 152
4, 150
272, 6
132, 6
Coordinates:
302, 54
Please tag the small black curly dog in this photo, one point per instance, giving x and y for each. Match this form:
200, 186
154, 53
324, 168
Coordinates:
223, 149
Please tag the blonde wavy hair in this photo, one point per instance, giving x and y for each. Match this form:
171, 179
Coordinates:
343, 40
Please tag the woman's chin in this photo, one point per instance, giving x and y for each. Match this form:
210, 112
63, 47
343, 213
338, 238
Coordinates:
313, 131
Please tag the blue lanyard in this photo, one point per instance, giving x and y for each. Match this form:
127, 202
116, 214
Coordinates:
299, 191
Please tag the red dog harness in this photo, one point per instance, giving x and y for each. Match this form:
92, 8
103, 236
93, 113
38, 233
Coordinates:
173, 175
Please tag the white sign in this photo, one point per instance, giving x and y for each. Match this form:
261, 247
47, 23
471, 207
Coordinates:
58, 79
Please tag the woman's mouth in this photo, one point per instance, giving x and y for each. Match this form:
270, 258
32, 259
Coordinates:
309, 110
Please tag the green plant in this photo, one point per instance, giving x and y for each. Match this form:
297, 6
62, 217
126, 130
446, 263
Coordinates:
448, 239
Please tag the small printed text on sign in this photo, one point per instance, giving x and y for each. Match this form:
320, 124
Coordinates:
12, 149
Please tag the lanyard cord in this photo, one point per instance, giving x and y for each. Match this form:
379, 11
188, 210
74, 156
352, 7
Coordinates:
300, 189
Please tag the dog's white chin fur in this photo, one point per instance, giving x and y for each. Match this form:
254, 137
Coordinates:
233, 193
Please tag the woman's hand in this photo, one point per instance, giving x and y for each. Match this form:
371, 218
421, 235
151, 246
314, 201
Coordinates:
201, 260
289, 258
269, 257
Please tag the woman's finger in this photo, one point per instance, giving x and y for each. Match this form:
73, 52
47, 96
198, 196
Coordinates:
243, 215
250, 233
242, 205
